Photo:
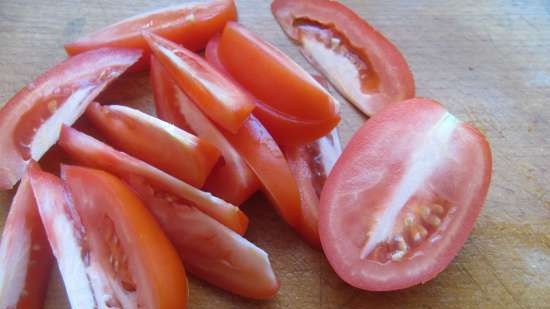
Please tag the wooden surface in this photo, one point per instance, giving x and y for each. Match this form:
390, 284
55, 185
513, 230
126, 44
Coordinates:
487, 61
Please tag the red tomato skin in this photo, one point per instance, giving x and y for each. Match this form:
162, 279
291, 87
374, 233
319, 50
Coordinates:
275, 79
285, 129
80, 78
23, 224
407, 113
192, 32
396, 79
232, 181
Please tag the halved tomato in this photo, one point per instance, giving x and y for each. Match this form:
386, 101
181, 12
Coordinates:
310, 165
156, 142
110, 250
359, 61
266, 159
88, 151
275, 79
25, 255
31, 120
232, 181
210, 250
404, 196
215, 94
189, 24
284, 128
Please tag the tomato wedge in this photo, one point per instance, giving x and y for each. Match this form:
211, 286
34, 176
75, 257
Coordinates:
25, 255
110, 250
189, 24
232, 181
359, 61
31, 120
404, 196
216, 95
266, 159
210, 250
88, 151
310, 165
156, 142
285, 129
275, 79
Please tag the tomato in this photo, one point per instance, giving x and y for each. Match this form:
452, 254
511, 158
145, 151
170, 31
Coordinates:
210, 250
215, 94
31, 120
25, 256
110, 250
266, 159
310, 165
284, 128
88, 151
359, 61
174, 151
189, 24
275, 79
233, 180
404, 196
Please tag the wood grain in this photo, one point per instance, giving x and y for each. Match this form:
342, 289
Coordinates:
488, 62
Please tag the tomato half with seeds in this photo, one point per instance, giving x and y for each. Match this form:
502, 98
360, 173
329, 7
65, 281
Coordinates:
25, 256
110, 250
359, 61
156, 142
275, 79
284, 128
232, 180
215, 94
404, 196
310, 165
31, 120
189, 24
91, 152
210, 250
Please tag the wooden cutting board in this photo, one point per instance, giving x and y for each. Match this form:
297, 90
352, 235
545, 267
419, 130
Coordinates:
488, 62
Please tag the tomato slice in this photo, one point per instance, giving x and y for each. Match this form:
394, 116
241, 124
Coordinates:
110, 250
216, 95
404, 196
310, 165
284, 128
268, 162
232, 181
31, 120
359, 61
88, 151
174, 151
189, 24
275, 78
210, 250
25, 255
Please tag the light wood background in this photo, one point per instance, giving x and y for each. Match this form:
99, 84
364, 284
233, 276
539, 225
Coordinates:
488, 61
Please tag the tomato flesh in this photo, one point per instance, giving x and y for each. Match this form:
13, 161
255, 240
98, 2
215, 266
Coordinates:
404, 196
31, 120
188, 157
275, 79
310, 165
284, 128
90, 152
232, 181
210, 250
216, 95
25, 255
189, 24
359, 61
